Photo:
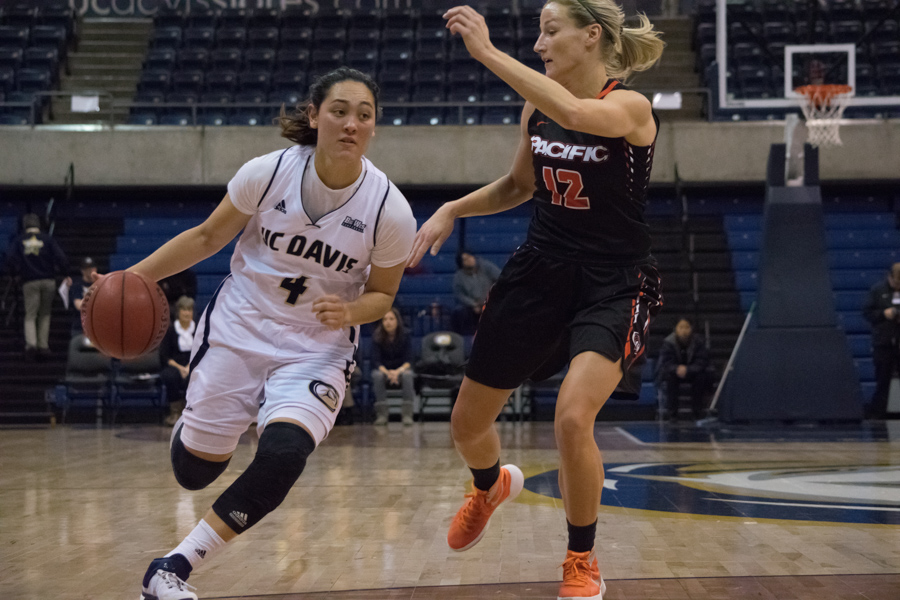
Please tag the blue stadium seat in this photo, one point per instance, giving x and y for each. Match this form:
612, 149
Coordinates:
259, 59
199, 37
363, 60
860, 345
296, 38
862, 239
180, 118
850, 300
426, 116
181, 98
746, 281
865, 368
12, 36
168, 17
286, 81
261, 18
221, 81
364, 40
245, 117
11, 57
199, 16
744, 240
427, 284
233, 17
154, 80
142, 118
188, 58
7, 79
495, 242
496, 224
33, 80
166, 37
226, 59
231, 37
188, 81
853, 322
263, 37
255, 81
8, 119
292, 59
855, 279
394, 116
863, 259
500, 116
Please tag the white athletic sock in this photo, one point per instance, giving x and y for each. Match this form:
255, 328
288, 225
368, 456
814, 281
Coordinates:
200, 545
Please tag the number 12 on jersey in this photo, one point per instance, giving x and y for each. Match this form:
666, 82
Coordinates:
571, 198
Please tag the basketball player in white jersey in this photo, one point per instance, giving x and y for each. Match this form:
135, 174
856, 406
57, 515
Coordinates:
325, 240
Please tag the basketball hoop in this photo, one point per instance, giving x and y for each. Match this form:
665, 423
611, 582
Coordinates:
823, 106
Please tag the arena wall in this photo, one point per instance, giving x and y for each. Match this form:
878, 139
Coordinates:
702, 152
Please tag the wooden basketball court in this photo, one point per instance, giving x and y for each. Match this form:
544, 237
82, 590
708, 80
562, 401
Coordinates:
806, 513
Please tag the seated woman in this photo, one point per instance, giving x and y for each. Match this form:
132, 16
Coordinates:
392, 366
175, 357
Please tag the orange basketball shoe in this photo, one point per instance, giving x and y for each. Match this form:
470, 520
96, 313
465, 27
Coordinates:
472, 520
581, 577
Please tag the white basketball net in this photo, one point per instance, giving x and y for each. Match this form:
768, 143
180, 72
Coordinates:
823, 112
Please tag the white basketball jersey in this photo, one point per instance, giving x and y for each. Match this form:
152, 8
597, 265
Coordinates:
284, 261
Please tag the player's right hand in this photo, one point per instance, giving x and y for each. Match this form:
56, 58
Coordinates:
433, 233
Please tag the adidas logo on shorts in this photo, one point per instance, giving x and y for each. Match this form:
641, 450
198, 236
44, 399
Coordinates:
239, 518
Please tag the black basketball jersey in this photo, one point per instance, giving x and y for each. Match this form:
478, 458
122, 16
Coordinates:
590, 193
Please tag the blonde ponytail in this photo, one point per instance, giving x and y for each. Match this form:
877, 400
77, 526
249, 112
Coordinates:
625, 50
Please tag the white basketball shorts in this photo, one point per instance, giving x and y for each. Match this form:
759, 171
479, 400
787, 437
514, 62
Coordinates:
247, 367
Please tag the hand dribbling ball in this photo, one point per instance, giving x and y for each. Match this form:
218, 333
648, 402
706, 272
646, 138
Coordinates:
125, 314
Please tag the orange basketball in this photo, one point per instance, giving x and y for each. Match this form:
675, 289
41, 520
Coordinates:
125, 314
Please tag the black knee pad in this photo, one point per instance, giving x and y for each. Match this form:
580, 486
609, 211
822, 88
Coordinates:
193, 472
280, 459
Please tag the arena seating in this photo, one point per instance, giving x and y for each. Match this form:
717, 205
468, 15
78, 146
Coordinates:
34, 43
248, 62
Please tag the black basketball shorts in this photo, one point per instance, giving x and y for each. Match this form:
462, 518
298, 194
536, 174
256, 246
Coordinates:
542, 312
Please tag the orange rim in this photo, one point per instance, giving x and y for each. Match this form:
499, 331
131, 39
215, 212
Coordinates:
823, 92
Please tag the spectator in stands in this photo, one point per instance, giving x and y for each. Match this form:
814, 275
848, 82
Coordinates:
36, 259
175, 357
882, 310
392, 366
683, 358
77, 289
471, 284
178, 285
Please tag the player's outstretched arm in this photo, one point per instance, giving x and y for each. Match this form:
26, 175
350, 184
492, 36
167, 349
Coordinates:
509, 191
375, 301
198, 243
623, 114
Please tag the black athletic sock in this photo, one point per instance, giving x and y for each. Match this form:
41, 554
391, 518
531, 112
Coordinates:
485, 478
581, 538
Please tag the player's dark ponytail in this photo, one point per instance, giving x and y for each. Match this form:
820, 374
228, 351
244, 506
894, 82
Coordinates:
295, 126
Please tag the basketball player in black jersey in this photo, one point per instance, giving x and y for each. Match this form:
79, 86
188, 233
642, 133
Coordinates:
582, 288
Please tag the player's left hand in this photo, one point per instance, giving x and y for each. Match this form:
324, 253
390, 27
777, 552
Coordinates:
331, 312
471, 26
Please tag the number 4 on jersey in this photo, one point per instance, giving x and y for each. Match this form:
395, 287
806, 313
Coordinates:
570, 199
295, 288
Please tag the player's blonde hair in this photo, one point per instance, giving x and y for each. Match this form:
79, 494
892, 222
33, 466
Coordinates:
625, 50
